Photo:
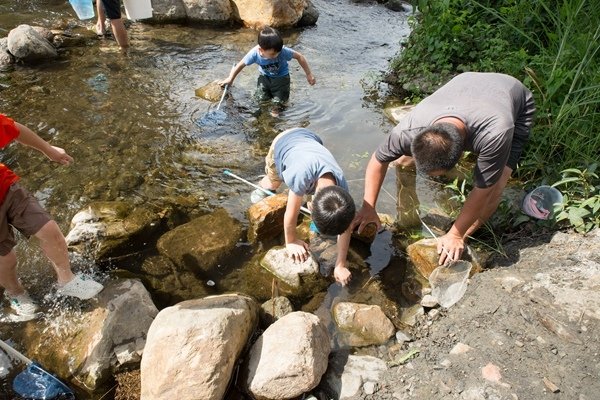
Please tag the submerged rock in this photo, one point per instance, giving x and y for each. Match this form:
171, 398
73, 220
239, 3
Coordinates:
109, 229
362, 324
274, 309
211, 91
202, 243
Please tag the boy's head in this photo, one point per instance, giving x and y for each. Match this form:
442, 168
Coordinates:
270, 42
332, 210
437, 148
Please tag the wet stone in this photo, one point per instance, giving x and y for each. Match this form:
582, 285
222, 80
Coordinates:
211, 91
265, 218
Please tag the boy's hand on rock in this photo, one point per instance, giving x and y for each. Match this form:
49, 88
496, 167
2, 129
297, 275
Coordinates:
297, 250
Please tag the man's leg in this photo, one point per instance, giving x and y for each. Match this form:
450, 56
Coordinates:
120, 33
113, 12
8, 274
495, 198
54, 246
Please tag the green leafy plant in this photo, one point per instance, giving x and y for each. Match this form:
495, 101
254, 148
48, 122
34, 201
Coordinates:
581, 198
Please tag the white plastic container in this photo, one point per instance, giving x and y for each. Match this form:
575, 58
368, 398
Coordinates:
83, 8
138, 9
539, 203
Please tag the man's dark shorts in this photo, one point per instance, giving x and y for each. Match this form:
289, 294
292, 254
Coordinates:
521, 133
112, 8
22, 211
277, 89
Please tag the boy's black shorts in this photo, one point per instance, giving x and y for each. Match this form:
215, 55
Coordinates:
112, 8
277, 89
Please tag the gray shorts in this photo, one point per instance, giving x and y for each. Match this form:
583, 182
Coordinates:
521, 133
277, 89
22, 211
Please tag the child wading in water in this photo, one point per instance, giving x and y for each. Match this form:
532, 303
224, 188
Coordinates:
272, 58
20, 210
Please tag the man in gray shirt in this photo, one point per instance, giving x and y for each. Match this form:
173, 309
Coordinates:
488, 114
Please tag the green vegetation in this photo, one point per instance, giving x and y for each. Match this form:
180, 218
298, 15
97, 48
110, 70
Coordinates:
553, 47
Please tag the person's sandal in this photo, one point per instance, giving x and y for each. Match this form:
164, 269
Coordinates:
82, 289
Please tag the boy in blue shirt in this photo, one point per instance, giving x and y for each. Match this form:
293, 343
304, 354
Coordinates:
272, 58
298, 158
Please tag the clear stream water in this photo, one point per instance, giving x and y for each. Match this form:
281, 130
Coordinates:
130, 122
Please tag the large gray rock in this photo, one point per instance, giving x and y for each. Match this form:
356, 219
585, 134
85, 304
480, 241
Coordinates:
289, 358
202, 243
275, 13
347, 374
309, 16
27, 44
93, 345
168, 10
6, 59
193, 346
208, 10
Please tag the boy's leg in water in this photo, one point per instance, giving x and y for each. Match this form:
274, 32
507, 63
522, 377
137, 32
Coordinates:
100, 23
281, 93
8, 274
263, 88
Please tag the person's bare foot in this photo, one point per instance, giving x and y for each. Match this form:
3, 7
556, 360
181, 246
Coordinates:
100, 31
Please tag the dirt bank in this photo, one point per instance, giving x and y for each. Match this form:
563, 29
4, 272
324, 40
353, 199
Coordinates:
527, 328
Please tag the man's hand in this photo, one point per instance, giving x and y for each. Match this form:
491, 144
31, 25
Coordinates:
366, 215
311, 79
342, 274
450, 248
297, 250
59, 155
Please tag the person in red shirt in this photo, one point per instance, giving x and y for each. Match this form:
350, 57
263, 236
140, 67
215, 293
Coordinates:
20, 210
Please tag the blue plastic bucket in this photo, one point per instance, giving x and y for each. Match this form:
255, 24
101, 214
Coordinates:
83, 8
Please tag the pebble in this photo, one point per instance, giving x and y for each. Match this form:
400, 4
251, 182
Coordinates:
446, 363
370, 387
550, 385
402, 337
460, 348
429, 301
491, 373
519, 343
